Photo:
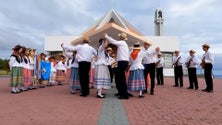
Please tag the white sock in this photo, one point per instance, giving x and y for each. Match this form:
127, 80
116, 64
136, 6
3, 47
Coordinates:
141, 92
13, 89
100, 92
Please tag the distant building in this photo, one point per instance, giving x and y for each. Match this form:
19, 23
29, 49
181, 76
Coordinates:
113, 24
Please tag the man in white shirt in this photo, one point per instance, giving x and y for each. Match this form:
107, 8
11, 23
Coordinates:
84, 55
122, 62
149, 64
207, 65
159, 69
178, 69
191, 64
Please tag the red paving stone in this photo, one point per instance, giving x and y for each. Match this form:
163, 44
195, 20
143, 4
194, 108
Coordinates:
169, 106
50, 105
177, 106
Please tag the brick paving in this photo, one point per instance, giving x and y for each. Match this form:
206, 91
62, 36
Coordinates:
56, 106
177, 106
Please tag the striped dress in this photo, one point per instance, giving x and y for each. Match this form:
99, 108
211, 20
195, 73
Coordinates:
136, 80
101, 72
74, 83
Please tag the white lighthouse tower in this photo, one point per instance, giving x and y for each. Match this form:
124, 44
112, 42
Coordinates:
158, 20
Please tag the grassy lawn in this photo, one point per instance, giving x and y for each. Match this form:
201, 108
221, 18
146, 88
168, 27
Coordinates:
4, 72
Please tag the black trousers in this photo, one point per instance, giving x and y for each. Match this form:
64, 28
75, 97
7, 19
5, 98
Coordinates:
159, 75
115, 71
178, 75
150, 68
192, 73
84, 68
111, 72
208, 76
121, 78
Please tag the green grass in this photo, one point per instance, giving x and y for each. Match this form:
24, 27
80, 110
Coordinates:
4, 72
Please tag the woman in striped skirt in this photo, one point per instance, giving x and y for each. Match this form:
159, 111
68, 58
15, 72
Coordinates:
136, 80
15, 64
74, 74
102, 76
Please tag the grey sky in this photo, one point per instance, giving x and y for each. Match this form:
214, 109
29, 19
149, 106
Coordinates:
27, 22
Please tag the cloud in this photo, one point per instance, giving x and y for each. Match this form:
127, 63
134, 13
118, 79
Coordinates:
28, 22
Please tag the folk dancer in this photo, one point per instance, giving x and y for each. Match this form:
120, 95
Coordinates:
61, 70
101, 76
178, 69
15, 63
159, 69
52, 77
191, 63
27, 75
44, 70
32, 65
122, 63
110, 62
207, 65
74, 84
149, 64
84, 55
136, 80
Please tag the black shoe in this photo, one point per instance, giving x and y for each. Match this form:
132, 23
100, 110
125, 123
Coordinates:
196, 88
121, 97
190, 88
158, 84
175, 86
130, 95
181, 85
83, 95
209, 91
100, 96
13, 92
141, 96
204, 90
152, 93
144, 91
116, 94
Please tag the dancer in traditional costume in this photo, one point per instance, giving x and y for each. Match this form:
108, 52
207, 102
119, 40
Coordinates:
136, 81
32, 65
123, 61
149, 64
44, 70
74, 84
52, 78
84, 54
102, 77
27, 74
15, 63
61, 70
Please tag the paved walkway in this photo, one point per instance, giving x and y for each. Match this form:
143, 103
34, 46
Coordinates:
169, 106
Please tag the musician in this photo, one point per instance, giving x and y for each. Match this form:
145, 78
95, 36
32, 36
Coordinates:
178, 69
207, 65
191, 64
159, 69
